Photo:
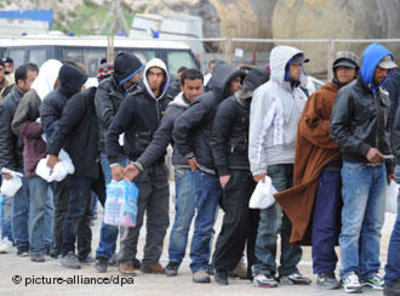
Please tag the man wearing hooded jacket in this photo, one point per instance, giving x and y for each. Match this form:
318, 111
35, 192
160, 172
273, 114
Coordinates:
230, 149
274, 114
192, 135
138, 118
360, 124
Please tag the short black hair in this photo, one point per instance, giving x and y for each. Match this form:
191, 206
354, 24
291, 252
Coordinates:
181, 69
22, 71
191, 74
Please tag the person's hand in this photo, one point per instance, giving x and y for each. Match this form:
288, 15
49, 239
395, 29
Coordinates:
194, 165
7, 176
117, 172
52, 161
131, 172
260, 177
223, 180
374, 156
391, 177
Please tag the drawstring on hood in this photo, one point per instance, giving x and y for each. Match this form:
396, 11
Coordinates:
48, 74
158, 64
372, 56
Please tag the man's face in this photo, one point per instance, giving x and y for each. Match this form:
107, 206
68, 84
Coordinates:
345, 74
379, 75
134, 80
26, 84
211, 68
192, 89
9, 67
236, 84
155, 77
294, 72
2, 73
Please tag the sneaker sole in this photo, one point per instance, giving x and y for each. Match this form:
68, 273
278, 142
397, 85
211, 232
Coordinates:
264, 286
352, 291
372, 287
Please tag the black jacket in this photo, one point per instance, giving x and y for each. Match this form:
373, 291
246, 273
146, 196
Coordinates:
360, 120
231, 134
163, 136
77, 132
138, 117
51, 110
108, 99
193, 130
11, 146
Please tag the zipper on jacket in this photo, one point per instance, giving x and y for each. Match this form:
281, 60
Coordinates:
158, 112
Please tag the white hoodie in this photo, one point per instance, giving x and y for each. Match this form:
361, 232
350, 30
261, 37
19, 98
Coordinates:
164, 87
48, 74
274, 115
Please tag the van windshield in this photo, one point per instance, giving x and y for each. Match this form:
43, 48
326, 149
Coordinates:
177, 59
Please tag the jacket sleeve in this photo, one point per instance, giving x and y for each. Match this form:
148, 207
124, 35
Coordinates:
313, 126
223, 122
258, 132
31, 129
72, 115
6, 140
48, 117
162, 137
189, 120
21, 115
341, 117
104, 107
119, 125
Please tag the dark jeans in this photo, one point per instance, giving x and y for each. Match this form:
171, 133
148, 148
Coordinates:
154, 200
273, 221
326, 221
20, 215
239, 224
78, 217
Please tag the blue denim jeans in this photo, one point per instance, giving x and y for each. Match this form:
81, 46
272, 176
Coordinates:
6, 218
273, 221
363, 193
392, 269
40, 200
208, 193
184, 207
78, 214
20, 215
108, 233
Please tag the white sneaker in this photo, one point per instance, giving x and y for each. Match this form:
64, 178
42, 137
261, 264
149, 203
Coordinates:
5, 246
351, 283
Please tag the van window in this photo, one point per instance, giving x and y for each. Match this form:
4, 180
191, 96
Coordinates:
143, 55
37, 56
177, 59
18, 55
88, 56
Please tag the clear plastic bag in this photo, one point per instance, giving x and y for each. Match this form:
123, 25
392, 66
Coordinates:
263, 195
121, 203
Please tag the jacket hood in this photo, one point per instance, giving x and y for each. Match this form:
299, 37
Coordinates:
180, 101
126, 66
372, 56
71, 80
279, 58
159, 64
222, 76
48, 74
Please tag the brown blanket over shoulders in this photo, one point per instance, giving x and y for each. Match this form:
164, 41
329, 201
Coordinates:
315, 149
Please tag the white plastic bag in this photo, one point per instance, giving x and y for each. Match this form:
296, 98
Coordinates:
391, 197
11, 186
60, 171
262, 197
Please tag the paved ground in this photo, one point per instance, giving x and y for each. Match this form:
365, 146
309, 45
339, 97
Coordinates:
22, 271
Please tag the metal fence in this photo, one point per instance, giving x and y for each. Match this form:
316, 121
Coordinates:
238, 51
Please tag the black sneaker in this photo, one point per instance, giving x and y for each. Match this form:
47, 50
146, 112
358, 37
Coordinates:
71, 261
172, 268
264, 281
294, 279
137, 264
23, 251
221, 277
37, 258
328, 281
101, 264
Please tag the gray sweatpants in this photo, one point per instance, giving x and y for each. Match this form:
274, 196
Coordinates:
154, 200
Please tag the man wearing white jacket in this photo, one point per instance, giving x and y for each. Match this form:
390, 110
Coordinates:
275, 111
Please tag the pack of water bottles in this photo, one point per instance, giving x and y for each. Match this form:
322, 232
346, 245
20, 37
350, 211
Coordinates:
121, 203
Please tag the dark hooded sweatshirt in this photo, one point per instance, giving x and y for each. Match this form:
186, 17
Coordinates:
193, 130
